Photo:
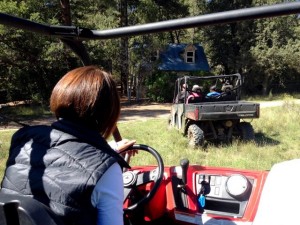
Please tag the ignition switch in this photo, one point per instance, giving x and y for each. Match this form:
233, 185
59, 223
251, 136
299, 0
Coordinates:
203, 191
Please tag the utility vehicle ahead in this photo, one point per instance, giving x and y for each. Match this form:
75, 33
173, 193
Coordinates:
182, 193
210, 108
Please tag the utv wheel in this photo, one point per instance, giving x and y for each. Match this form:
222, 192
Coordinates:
195, 136
246, 131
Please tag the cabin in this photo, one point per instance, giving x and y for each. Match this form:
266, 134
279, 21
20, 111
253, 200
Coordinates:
182, 58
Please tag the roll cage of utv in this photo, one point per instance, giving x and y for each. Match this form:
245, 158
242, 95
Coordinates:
229, 86
173, 194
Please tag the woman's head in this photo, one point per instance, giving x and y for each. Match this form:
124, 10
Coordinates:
87, 95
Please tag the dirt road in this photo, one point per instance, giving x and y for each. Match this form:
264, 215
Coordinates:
128, 113
144, 112
136, 112
277, 103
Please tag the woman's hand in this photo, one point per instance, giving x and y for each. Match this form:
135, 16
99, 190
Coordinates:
124, 144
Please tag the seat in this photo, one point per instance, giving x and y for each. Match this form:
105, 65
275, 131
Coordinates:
21, 210
279, 201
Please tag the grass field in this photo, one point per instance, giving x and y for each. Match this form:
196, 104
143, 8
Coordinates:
277, 134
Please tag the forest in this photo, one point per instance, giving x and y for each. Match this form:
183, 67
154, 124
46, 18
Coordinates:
265, 52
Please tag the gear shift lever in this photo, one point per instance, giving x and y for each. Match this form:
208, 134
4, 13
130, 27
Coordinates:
184, 163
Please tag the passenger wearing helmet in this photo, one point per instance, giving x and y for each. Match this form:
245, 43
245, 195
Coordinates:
195, 95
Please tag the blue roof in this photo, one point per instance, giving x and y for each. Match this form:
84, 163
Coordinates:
171, 59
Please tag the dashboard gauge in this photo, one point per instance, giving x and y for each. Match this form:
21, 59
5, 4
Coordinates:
237, 185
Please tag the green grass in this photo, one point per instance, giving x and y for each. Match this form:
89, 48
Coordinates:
5, 137
277, 136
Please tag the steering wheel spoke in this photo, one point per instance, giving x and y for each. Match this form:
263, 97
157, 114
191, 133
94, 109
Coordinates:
146, 177
127, 192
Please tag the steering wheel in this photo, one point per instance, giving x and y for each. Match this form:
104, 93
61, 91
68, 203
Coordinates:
134, 178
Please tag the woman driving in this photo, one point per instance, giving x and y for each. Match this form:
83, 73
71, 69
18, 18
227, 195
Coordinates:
69, 166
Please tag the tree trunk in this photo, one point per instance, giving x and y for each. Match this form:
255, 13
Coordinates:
76, 45
124, 48
66, 12
266, 84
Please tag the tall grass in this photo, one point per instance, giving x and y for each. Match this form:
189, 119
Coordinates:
277, 134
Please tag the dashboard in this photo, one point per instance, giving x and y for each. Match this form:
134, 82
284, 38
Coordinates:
223, 194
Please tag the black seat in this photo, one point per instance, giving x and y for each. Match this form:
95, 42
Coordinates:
21, 210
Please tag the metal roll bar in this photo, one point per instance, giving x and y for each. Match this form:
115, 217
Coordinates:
162, 26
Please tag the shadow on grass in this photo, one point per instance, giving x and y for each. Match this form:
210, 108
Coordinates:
16, 116
262, 140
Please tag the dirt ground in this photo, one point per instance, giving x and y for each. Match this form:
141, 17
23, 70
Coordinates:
129, 112
145, 111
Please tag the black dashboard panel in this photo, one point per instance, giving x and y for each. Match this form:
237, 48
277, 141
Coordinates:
229, 195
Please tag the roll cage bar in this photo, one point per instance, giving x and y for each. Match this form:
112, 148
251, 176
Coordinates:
169, 25
188, 79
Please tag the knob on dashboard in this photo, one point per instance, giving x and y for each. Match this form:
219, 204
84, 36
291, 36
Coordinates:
238, 186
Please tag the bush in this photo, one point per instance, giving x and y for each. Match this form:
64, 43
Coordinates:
160, 87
